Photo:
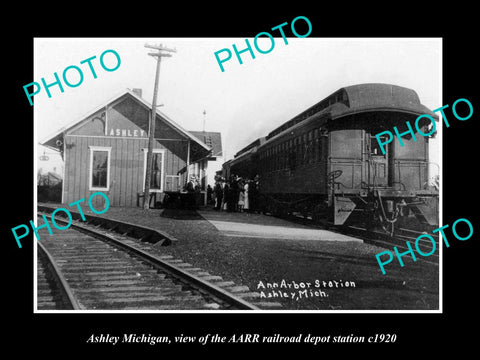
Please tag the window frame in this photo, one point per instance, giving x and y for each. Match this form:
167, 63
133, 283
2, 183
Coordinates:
162, 180
92, 149
375, 144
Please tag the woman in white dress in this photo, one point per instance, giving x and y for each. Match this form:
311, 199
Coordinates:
241, 197
246, 202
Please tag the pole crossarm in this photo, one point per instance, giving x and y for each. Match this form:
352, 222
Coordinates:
159, 55
160, 47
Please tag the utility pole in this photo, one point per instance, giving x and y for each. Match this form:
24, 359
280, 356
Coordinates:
161, 52
204, 113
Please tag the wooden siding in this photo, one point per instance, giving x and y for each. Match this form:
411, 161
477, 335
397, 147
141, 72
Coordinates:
126, 167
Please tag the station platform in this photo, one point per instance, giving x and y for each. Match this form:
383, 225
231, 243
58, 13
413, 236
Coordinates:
246, 225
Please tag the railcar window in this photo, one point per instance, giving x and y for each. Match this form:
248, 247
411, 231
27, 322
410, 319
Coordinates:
289, 150
311, 147
412, 149
265, 160
375, 149
279, 156
305, 149
317, 149
299, 151
275, 158
293, 154
269, 159
346, 144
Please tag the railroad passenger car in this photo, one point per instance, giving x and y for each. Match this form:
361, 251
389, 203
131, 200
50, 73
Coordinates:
326, 162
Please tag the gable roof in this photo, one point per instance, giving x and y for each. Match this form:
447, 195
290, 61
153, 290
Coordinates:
212, 139
51, 140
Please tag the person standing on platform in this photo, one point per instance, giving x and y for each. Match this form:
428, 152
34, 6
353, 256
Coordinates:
218, 191
210, 200
246, 194
254, 194
190, 188
226, 194
241, 195
233, 193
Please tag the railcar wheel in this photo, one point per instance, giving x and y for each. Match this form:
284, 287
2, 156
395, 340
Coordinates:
280, 211
304, 211
320, 214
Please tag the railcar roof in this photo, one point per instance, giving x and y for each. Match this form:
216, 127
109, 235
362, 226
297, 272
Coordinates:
377, 96
356, 99
349, 100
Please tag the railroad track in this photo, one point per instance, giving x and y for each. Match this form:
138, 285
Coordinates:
53, 291
398, 240
98, 270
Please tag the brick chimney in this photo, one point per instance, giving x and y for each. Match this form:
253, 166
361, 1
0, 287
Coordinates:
137, 91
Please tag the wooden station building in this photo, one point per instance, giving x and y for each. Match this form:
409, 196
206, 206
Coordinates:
106, 151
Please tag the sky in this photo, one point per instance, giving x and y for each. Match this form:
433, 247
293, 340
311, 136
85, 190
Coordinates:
244, 102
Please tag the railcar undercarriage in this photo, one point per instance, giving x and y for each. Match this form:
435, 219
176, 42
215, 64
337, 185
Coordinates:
383, 210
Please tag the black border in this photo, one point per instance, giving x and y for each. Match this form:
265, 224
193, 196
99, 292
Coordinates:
44, 333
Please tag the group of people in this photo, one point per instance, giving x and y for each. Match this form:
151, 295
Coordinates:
235, 194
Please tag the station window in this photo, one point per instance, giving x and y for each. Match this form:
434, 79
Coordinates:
99, 168
156, 176
156, 179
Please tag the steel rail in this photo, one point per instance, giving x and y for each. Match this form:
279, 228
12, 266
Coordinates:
199, 283
64, 288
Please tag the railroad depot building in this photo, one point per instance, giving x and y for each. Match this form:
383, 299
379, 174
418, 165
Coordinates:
106, 151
